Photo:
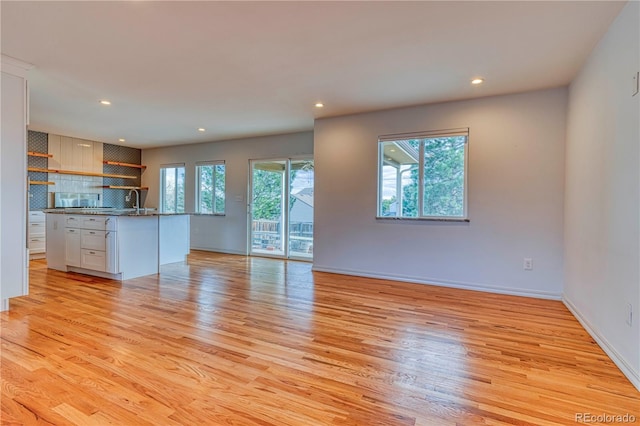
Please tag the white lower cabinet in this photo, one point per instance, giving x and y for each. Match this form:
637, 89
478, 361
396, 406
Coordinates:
36, 236
111, 252
91, 243
116, 247
73, 251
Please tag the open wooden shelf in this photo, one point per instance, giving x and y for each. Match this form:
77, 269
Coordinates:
72, 172
117, 163
144, 188
40, 182
39, 154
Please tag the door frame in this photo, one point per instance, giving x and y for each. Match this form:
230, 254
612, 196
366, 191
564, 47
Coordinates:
286, 201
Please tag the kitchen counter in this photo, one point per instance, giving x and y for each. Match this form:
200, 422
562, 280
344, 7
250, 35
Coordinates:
112, 212
116, 244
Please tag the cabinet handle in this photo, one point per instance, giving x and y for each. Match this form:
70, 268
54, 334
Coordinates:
107, 221
92, 252
92, 220
92, 233
105, 234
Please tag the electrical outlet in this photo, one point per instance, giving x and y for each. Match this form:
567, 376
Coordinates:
629, 317
527, 264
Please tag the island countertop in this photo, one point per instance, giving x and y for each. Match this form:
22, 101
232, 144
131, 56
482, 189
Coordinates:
112, 212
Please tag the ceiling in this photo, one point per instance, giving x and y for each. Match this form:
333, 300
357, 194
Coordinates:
242, 69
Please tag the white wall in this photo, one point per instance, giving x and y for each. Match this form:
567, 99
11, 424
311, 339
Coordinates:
14, 274
221, 233
516, 179
602, 212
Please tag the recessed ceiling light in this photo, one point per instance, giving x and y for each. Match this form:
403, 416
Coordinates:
201, 129
477, 80
105, 102
319, 105
121, 140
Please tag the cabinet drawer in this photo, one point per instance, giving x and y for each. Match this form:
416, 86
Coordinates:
37, 228
36, 243
93, 259
93, 240
36, 216
73, 221
95, 222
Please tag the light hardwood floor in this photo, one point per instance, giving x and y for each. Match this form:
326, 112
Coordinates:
231, 340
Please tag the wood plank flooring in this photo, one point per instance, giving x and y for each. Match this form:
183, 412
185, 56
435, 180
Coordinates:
232, 340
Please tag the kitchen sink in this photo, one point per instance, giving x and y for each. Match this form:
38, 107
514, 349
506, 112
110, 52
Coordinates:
142, 213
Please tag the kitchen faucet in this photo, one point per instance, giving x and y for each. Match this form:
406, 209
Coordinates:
137, 204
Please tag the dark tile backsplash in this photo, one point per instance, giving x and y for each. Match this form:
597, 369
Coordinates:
37, 142
116, 197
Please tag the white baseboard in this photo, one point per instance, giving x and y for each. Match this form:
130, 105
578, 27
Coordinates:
623, 365
218, 250
441, 283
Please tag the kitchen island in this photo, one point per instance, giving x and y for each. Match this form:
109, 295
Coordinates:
116, 244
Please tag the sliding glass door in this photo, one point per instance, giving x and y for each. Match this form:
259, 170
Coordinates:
300, 208
268, 196
281, 209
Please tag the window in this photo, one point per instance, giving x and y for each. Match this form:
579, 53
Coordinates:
172, 188
210, 180
423, 175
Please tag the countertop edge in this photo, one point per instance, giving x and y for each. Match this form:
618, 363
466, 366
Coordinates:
113, 213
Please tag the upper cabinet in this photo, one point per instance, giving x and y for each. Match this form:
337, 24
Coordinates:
77, 155
54, 149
